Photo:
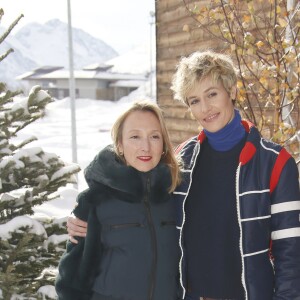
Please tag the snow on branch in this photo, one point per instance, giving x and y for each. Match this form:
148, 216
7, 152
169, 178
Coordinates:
65, 172
17, 223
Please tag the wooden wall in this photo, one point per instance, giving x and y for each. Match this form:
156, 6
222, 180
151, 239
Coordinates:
177, 35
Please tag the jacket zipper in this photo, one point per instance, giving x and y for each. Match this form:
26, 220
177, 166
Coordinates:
153, 239
191, 169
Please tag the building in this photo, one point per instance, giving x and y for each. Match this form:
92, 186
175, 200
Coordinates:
95, 81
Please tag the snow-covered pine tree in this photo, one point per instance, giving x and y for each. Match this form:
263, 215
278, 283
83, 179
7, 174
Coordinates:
28, 177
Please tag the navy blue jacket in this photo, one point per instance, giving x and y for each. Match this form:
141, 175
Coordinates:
131, 251
268, 206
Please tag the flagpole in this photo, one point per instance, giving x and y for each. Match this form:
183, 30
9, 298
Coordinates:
72, 88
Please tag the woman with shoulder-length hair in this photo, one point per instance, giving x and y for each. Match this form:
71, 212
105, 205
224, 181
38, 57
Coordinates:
131, 249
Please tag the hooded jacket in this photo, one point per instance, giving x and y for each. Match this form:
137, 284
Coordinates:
131, 250
268, 207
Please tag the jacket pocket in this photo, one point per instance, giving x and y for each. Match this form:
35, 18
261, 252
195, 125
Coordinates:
125, 225
167, 223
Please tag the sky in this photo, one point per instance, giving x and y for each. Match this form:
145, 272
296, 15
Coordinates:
121, 24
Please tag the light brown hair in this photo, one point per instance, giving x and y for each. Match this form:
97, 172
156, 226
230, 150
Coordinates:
168, 156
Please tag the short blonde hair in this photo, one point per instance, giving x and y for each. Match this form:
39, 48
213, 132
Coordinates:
168, 157
199, 65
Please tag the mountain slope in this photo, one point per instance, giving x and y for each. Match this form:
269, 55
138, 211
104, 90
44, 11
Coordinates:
48, 44
38, 45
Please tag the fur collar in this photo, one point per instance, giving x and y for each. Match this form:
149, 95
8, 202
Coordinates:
108, 172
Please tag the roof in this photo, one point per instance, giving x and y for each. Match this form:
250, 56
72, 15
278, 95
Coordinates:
81, 74
127, 83
38, 72
98, 67
47, 69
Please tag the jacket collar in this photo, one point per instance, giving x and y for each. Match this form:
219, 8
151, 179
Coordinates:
247, 125
250, 147
109, 172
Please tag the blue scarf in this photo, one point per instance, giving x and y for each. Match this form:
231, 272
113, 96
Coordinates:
229, 136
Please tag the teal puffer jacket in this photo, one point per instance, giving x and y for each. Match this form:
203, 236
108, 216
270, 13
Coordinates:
131, 251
